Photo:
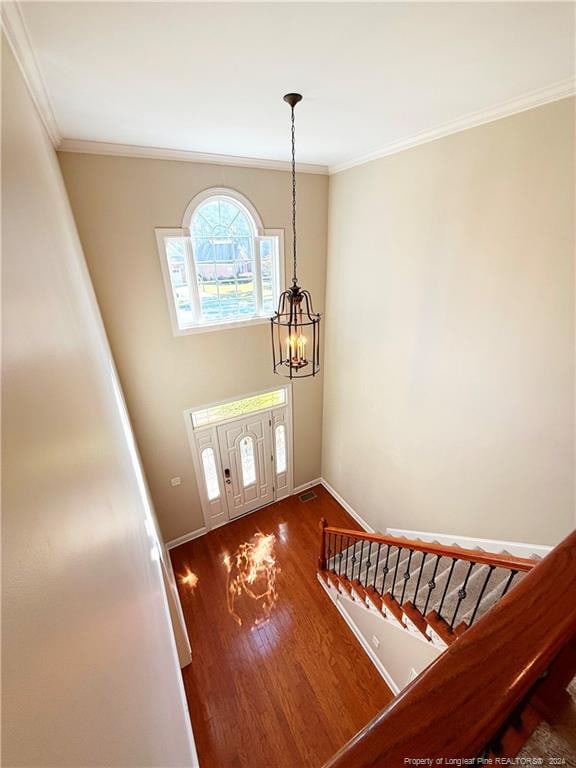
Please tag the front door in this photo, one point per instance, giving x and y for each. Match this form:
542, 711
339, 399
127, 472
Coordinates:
247, 463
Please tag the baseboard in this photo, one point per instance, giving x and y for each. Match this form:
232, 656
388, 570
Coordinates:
201, 531
358, 635
352, 512
305, 486
187, 537
516, 548
295, 491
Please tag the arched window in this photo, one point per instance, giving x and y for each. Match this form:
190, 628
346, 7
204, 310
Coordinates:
222, 268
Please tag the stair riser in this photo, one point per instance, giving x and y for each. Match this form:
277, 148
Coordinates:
385, 615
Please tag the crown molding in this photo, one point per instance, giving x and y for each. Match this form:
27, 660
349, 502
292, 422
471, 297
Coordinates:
554, 92
18, 38
159, 153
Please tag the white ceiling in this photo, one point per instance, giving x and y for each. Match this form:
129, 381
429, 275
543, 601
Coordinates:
210, 77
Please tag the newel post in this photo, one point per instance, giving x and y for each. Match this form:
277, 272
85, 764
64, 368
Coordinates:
322, 558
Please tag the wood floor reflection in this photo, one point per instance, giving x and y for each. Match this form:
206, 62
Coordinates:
287, 693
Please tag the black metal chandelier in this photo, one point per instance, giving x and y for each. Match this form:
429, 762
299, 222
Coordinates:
295, 326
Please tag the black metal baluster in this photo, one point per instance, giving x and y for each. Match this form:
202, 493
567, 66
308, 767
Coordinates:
508, 583
347, 553
360, 563
330, 565
335, 550
462, 594
396, 571
377, 563
431, 585
406, 576
353, 559
368, 565
439, 611
386, 569
424, 556
481, 595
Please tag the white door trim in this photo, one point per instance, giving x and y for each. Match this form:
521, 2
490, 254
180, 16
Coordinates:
243, 498
198, 469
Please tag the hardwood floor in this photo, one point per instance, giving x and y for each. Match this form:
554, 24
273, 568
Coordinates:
287, 693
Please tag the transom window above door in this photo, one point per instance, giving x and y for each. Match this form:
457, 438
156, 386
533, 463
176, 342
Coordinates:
222, 268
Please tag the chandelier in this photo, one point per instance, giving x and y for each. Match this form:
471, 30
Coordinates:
295, 326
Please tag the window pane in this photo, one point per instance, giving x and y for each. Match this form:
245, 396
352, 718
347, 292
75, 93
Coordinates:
268, 262
223, 243
241, 226
179, 279
248, 463
207, 216
239, 407
280, 449
208, 290
210, 474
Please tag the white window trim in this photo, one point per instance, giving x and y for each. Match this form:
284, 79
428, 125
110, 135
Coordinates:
189, 412
233, 194
184, 231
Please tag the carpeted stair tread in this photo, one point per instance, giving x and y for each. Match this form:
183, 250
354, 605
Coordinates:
360, 562
555, 744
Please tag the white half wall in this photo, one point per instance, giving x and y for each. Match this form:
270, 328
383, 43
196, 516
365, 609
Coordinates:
398, 651
90, 673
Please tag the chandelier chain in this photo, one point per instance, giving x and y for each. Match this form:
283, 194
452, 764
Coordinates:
294, 278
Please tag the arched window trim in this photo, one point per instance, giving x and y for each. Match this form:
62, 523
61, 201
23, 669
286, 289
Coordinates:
223, 193
163, 236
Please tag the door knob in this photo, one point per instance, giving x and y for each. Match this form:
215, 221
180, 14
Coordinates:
227, 475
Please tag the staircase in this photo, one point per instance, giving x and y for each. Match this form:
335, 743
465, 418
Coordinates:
434, 591
505, 683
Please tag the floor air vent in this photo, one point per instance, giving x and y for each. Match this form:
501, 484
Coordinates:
307, 496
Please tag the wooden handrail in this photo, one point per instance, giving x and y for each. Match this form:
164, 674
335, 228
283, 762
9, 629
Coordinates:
471, 555
462, 699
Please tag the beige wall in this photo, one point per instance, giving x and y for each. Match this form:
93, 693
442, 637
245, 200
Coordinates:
90, 675
449, 358
117, 203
